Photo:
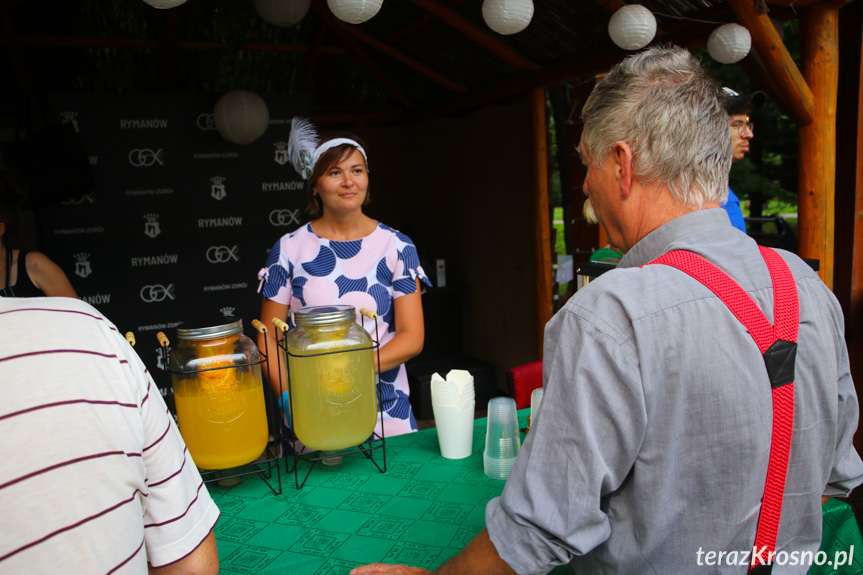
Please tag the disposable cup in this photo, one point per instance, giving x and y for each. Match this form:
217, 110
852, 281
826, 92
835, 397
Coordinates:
535, 401
502, 440
454, 424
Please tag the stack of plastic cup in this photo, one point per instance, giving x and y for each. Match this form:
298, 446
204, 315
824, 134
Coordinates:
502, 441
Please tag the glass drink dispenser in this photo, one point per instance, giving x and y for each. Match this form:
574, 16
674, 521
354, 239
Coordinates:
219, 395
332, 390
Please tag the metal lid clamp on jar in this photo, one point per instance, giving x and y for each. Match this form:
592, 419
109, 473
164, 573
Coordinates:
208, 333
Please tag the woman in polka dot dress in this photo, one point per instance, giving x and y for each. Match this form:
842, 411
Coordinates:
345, 257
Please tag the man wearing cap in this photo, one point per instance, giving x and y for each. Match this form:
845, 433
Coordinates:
739, 106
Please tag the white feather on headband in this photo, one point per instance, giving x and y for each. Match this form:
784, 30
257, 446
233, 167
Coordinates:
301, 146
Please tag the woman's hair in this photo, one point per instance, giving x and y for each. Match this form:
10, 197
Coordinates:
327, 160
662, 103
12, 193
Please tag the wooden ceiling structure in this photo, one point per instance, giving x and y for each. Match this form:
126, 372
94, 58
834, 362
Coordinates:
422, 59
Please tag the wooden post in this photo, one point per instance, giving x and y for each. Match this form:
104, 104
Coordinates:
542, 223
848, 275
819, 37
585, 237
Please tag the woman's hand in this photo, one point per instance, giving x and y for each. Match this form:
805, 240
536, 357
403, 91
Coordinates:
269, 342
410, 332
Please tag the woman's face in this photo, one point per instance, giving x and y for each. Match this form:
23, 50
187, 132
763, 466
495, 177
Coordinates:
344, 186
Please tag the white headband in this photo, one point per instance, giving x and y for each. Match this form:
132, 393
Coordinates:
319, 151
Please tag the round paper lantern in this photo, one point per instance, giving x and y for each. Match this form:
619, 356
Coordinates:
632, 27
241, 116
354, 11
729, 43
284, 13
164, 4
507, 16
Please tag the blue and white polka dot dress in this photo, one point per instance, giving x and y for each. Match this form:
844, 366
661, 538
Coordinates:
304, 269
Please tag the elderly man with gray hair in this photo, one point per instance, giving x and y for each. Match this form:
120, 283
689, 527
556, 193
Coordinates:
666, 413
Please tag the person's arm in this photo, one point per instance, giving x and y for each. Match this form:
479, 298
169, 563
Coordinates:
269, 310
479, 557
410, 331
204, 560
47, 276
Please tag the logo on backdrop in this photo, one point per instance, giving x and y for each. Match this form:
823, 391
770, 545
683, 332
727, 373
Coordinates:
160, 360
205, 122
282, 186
223, 254
82, 266
145, 157
156, 293
281, 157
217, 190
151, 226
285, 217
227, 311
228, 222
70, 117
137, 124
86, 198
160, 260
97, 299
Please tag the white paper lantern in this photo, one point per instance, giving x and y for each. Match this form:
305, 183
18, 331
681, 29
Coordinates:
507, 16
164, 4
241, 116
632, 27
729, 43
354, 11
284, 13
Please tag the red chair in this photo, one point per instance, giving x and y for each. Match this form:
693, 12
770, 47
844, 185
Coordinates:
522, 380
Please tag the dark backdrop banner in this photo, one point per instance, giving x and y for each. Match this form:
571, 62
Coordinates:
179, 220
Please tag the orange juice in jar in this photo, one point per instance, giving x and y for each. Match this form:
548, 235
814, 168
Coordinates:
219, 395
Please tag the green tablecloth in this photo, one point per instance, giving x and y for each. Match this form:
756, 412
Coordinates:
421, 512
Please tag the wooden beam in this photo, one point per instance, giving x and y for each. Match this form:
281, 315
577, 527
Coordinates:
761, 78
400, 56
572, 68
542, 224
48, 41
314, 57
477, 34
361, 55
417, 24
819, 34
777, 60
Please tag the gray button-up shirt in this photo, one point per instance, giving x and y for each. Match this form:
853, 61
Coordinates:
650, 450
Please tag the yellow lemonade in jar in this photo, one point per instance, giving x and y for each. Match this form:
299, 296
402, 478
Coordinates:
333, 408
332, 379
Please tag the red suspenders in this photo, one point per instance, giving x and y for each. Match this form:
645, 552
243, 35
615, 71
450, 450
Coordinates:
778, 345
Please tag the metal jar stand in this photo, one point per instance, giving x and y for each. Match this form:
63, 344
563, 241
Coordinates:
263, 468
368, 448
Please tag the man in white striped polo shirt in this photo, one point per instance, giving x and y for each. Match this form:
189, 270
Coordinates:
94, 475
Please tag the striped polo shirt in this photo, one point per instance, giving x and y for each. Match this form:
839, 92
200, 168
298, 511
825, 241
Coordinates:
94, 475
